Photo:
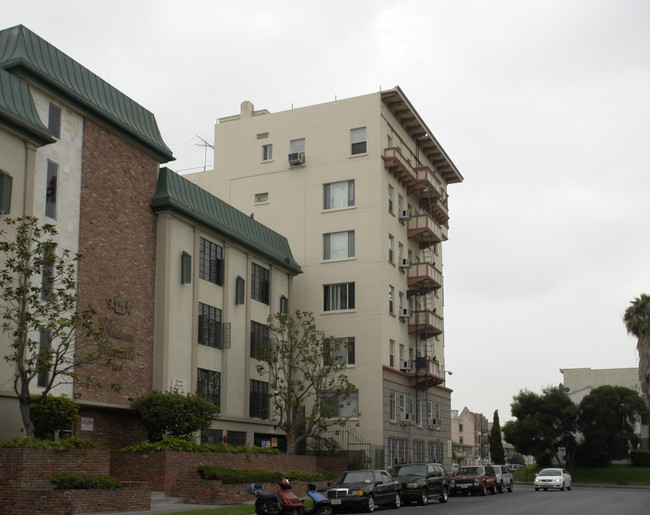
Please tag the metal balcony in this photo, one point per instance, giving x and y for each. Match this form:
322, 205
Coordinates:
427, 184
426, 230
424, 275
425, 321
399, 165
426, 374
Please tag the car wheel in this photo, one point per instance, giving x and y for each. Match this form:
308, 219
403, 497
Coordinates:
501, 488
424, 497
568, 486
397, 501
536, 489
493, 490
483, 489
511, 487
324, 509
371, 504
562, 488
444, 496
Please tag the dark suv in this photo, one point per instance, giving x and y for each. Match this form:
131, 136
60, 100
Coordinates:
422, 482
474, 479
363, 489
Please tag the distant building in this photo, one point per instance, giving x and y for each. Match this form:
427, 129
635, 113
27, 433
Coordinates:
470, 429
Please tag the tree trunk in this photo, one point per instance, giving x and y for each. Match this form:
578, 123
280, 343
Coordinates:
27, 421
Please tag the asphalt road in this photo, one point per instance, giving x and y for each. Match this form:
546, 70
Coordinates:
525, 500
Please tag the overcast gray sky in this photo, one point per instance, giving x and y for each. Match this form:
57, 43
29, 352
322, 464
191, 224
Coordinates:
544, 106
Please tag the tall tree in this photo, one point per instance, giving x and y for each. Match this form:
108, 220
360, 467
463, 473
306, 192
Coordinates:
49, 338
637, 323
497, 452
543, 423
308, 385
606, 420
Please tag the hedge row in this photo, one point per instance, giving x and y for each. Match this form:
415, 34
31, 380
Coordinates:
83, 481
232, 476
170, 443
640, 458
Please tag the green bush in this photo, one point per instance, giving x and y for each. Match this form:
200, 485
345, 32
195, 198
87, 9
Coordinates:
640, 458
67, 443
232, 476
171, 443
83, 481
51, 414
305, 476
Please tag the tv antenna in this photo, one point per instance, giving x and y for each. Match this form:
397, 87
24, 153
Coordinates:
205, 146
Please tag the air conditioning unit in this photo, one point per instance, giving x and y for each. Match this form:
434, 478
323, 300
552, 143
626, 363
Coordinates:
297, 158
405, 263
406, 366
406, 417
432, 422
405, 214
405, 313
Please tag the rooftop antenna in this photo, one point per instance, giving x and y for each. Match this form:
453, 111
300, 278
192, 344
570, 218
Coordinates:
205, 146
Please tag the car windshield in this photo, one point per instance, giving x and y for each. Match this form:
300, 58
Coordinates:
550, 472
357, 476
470, 470
410, 470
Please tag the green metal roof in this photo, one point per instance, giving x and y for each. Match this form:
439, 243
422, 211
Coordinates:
18, 112
177, 194
24, 53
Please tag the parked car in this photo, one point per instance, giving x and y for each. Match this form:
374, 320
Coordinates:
504, 478
479, 479
421, 482
364, 489
552, 478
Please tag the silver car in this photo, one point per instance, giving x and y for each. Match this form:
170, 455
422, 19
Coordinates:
552, 478
504, 478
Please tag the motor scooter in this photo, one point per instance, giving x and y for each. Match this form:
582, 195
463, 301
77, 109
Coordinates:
322, 505
283, 502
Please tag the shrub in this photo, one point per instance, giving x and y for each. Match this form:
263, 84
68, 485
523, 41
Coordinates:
67, 443
234, 477
640, 458
51, 414
173, 414
171, 443
83, 481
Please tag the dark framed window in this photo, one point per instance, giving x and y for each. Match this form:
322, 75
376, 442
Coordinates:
341, 350
284, 305
358, 141
240, 290
236, 437
259, 340
43, 359
54, 120
259, 283
211, 264
210, 326
338, 296
48, 270
186, 268
50, 195
208, 385
6, 182
211, 436
259, 399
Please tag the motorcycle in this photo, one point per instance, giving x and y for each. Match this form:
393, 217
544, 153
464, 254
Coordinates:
285, 502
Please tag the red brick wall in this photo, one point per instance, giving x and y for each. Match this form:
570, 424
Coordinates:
112, 428
164, 469
117, 241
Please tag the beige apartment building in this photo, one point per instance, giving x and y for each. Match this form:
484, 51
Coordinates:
470, 431
359, 188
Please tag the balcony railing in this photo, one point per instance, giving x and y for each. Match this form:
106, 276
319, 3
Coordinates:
397, 164
425, 374
424, 275
425, 229
425, 320
426, 183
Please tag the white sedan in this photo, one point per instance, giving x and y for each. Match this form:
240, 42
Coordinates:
552, 478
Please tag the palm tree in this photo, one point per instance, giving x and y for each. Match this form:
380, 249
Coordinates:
637, 323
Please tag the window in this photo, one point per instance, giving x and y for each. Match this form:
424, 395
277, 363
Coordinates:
211, 436
392, 406
259, 283
240, 290
342, 407
338, 245
259, 399
391, 301
338, 194
401, 301
48, 269
284, 304
358, 140
460, 427
400, 203
259, 340
267, 152
236, 437
54, 120
419, 412
391, 353
44, 358
50, 196
391, 245
402, 406
397, 450
338, 296
389, 141
341, 350
209, 326
261, 198
6, 182
211, 264
401, 354
186, 268
400, 252
297, 145
390, 198
418, 450
208, 385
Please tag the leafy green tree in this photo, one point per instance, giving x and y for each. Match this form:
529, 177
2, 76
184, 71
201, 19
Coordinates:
51, 414
543, 423
308, 385
497, 452
50, 339
637, 323
606, 420
174, 414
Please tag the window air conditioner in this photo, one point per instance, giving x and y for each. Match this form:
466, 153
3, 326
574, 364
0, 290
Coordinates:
406, 417
405, 214
405, 313
297, 158
406, 365
432, 422
405, 263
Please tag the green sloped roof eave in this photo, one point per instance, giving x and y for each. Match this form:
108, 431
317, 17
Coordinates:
23, 52
18, 112
175, 193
